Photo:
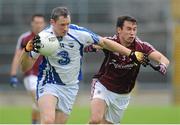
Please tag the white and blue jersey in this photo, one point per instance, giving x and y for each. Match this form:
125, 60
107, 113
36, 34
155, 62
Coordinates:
64, 66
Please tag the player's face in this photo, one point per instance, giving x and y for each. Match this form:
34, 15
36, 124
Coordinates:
38, 24
128, 32
61, 26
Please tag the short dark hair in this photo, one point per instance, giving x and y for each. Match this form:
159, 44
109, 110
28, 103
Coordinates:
37, 15
59, 11
122, 19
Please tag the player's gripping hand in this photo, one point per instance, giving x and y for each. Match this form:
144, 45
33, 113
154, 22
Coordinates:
92, 48
139, 58
162, 68
13, 81
33, 45
29, 46
89, 48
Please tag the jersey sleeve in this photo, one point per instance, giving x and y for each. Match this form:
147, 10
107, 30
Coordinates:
84, 35
19, 44
148, 48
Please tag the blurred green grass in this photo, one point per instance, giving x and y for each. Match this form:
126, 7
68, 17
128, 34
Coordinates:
134, 114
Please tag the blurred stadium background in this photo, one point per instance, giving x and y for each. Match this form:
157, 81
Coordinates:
158, 23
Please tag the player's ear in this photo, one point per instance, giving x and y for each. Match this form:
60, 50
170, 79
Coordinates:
118, 29
52, 22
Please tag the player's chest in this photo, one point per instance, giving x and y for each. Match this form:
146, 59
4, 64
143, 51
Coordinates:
118, 62
120, 58
69, 50
71, 45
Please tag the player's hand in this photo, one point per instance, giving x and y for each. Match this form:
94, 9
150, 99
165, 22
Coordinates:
139, 58
33, 45
13, 81
90, 48
29, 46
162, 68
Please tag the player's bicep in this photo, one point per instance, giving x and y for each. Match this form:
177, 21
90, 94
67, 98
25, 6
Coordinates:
87, 38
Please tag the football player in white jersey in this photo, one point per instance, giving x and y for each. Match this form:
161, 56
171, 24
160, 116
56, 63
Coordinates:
60, 72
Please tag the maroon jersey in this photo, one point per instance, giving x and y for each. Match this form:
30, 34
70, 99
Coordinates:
118, 73
22, 41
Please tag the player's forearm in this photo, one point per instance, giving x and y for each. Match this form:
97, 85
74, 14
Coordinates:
114, 46
158, 57
15, 63
164, 60
13, 68
26, 61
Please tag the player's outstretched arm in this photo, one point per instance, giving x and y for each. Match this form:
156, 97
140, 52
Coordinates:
14, 67
161, 59
26, 61
114, 46
137, 57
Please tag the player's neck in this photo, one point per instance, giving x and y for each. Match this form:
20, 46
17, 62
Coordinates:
124, 43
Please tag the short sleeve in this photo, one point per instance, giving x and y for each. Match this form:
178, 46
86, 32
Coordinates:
147, 48
83, 35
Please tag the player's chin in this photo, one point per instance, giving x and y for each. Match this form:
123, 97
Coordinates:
64, 33
130, 40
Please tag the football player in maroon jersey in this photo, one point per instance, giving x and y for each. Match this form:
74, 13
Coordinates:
112, 85
30, 77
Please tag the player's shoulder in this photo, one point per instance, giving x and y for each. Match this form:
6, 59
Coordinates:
78, 29
75, 27
138, 41
142, 44
48, 31
25, 34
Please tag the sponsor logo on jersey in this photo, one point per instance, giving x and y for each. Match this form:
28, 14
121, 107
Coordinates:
71, 45
52, 39
121, 66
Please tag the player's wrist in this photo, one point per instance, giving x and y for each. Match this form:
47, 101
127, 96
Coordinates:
163, 64
132, 55
29, 46
26, 50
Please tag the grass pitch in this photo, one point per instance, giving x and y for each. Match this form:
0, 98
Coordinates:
80, 115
